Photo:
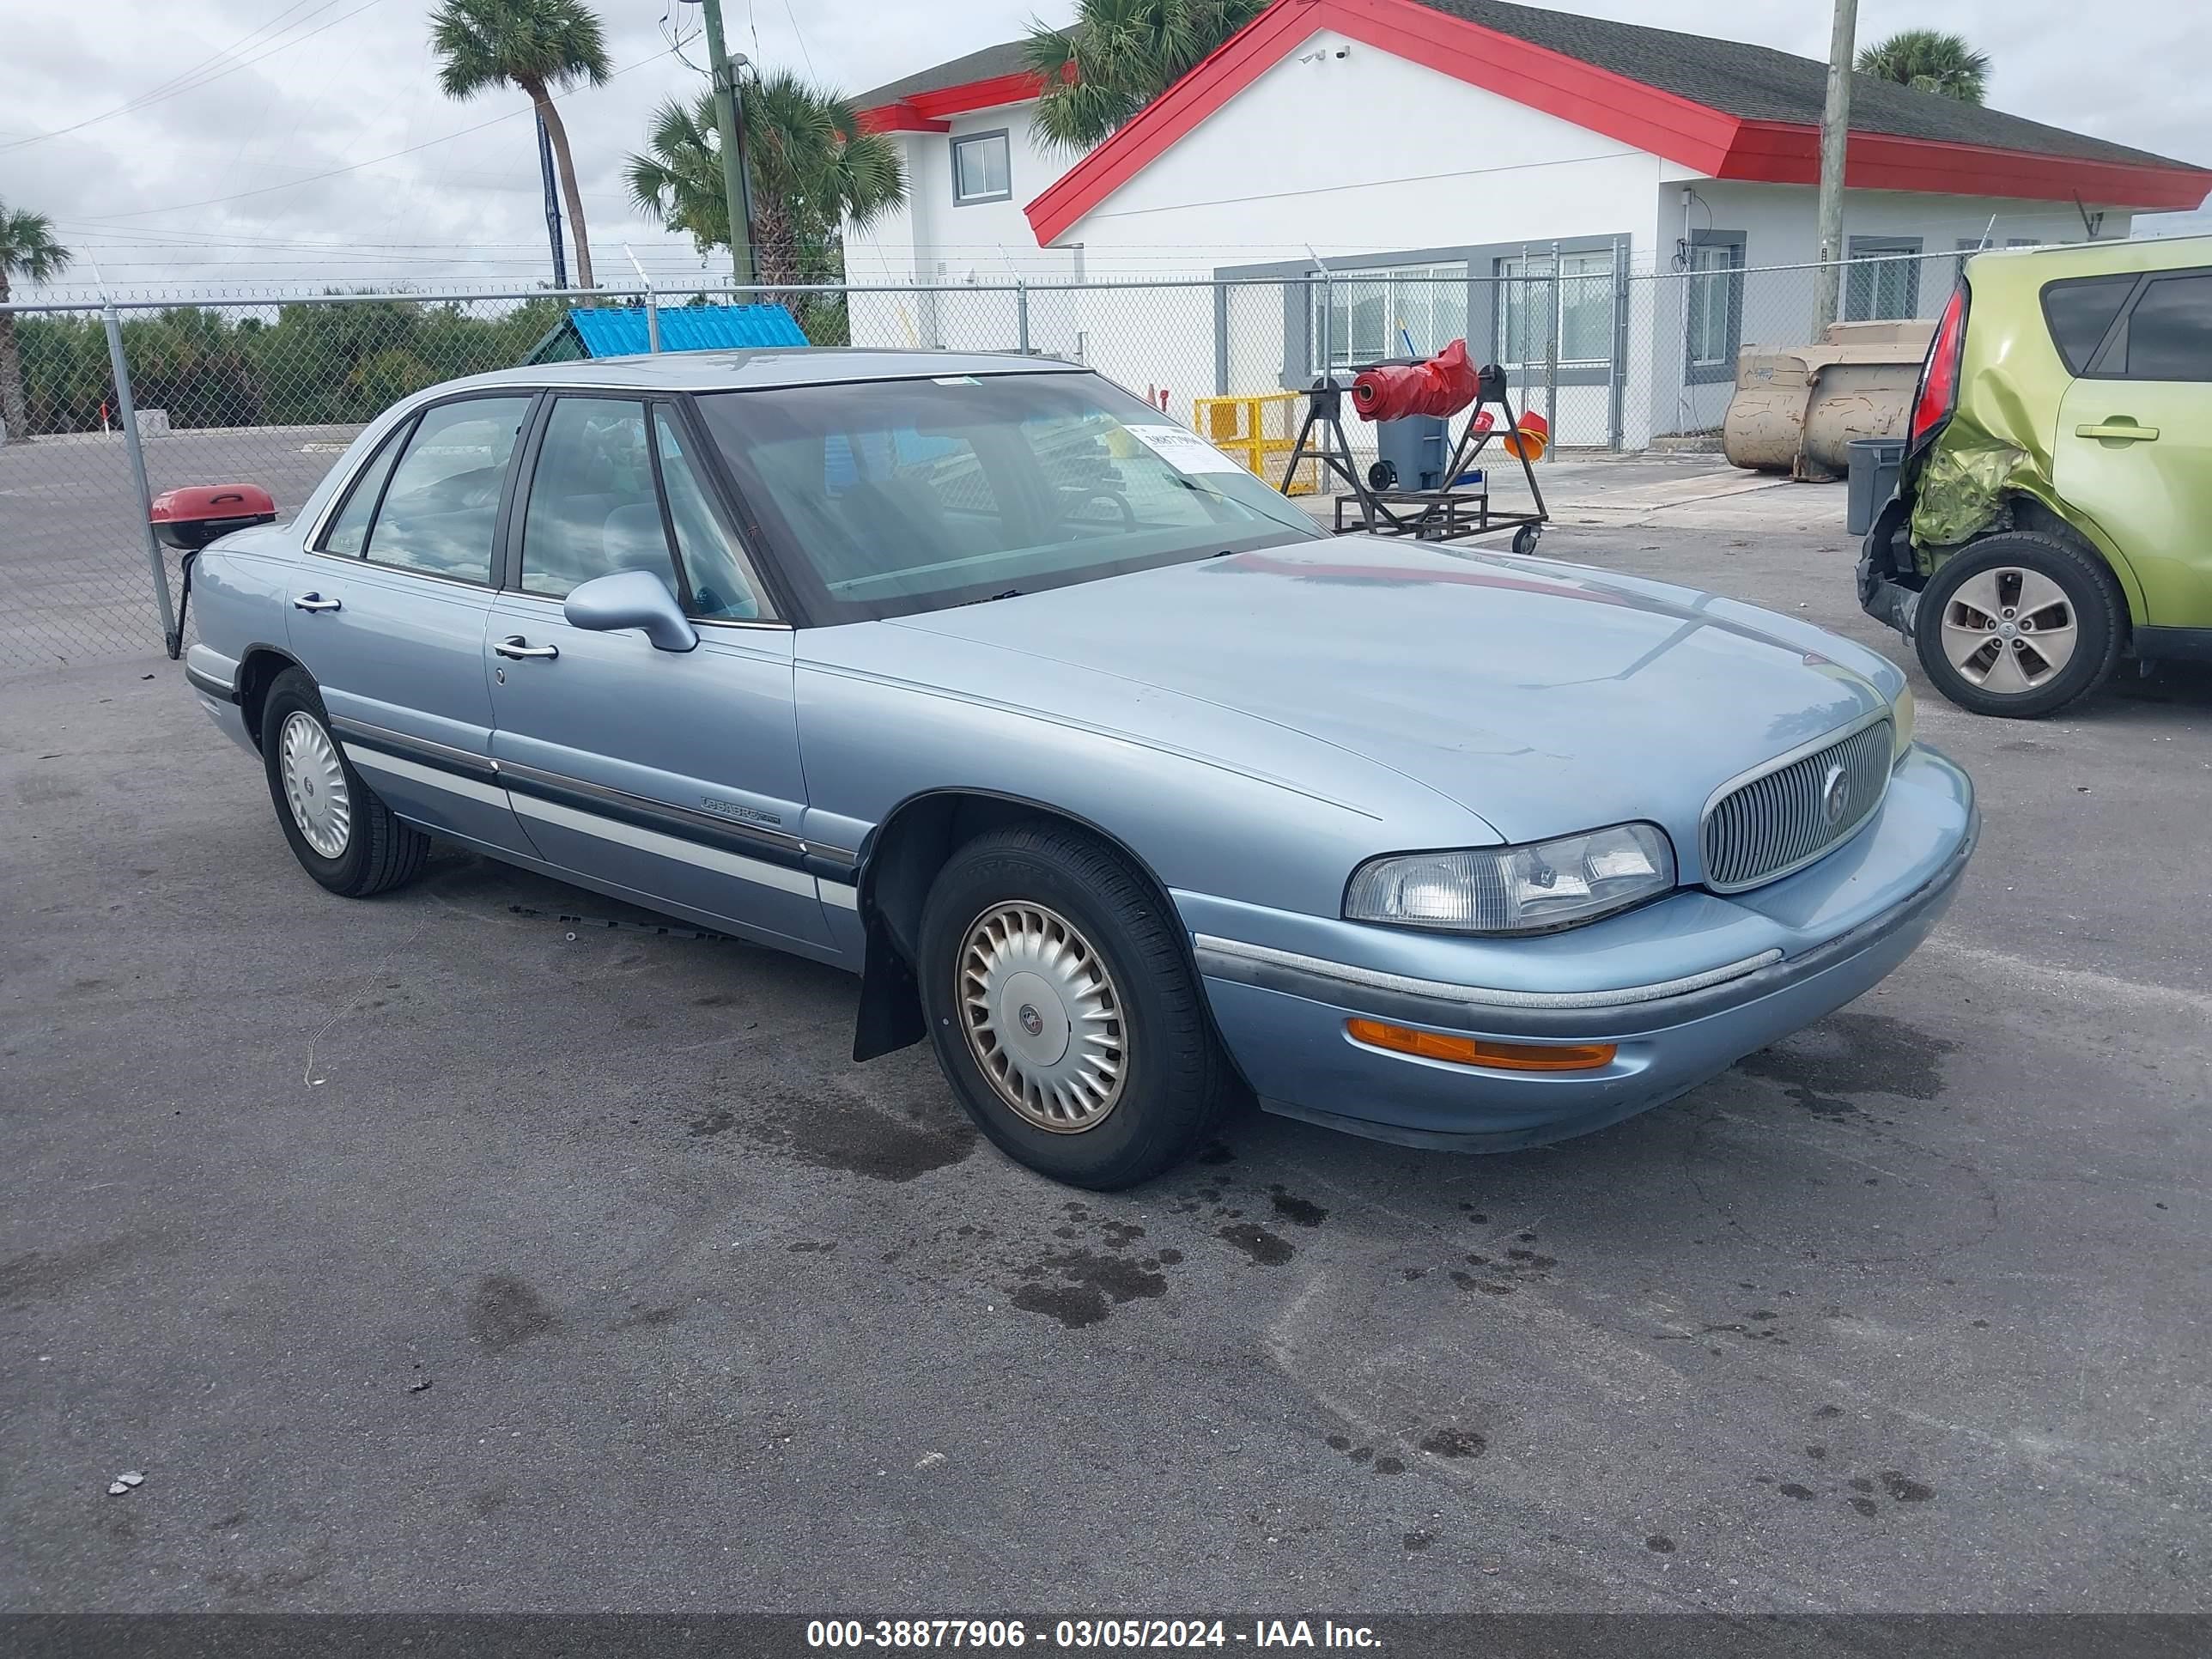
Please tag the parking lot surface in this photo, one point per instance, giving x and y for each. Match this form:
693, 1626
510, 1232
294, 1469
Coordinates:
438, 1252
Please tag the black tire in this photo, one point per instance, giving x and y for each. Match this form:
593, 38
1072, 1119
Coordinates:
380, 851
2091, 596
1525, 539
1176, 1083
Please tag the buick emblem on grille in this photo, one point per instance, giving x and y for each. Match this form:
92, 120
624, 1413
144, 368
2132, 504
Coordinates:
1836, 794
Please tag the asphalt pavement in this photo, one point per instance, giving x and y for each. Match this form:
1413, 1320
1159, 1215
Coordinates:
439, 1253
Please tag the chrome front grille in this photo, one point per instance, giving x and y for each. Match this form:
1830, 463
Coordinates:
1785, 816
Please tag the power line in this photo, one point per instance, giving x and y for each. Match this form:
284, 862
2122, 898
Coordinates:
177, 86
803, 53
355, 167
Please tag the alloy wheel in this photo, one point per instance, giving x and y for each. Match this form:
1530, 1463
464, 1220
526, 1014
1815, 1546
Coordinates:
2009, 630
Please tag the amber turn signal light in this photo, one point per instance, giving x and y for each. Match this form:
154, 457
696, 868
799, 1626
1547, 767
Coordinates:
1481, 1051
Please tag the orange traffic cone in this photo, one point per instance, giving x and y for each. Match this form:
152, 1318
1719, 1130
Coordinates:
1531, 437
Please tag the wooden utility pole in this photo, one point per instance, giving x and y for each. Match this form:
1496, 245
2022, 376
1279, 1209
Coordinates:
1835, 133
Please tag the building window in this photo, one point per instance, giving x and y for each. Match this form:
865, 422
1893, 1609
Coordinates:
1714, 327
1881, 283
982, 171
1389, 311
1579, 306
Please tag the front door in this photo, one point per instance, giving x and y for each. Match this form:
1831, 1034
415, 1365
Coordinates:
674, 775
389, 611
2134, 449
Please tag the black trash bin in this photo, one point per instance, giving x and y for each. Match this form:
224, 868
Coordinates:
1874, 467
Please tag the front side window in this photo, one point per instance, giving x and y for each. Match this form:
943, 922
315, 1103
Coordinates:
1716, 308
2170, 331
593, 508
722, 588
1386, 311
888, 498
981, 170
442, 507
1882, 281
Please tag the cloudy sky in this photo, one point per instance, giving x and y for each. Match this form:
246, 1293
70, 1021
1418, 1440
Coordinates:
238, 142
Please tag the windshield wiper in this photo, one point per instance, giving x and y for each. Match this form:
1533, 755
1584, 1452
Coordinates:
1011, 593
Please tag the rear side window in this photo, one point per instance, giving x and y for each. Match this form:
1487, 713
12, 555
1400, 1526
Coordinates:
442, 503
2079, 312
2170, 331
348, 531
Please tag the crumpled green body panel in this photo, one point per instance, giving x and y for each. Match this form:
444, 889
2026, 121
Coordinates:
1962, 484
1999, 438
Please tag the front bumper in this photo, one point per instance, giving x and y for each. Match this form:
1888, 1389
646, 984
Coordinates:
1283, 1012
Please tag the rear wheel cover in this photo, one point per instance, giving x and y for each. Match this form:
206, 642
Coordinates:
315, 790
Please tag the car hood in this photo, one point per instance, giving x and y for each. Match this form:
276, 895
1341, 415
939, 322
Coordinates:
1542, 697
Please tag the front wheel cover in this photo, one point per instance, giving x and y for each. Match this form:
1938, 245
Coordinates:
2019, 625
1063, 1009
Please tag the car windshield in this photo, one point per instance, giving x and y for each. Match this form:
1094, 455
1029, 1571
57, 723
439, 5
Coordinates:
889, 497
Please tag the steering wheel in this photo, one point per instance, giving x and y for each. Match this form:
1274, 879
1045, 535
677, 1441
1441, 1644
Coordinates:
1100, 494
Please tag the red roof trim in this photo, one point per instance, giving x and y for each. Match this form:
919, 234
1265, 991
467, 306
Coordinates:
1778, 152
1227, 70
926, 112
901, 117
1662, 123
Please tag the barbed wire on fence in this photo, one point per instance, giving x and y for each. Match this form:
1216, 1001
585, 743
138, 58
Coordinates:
269, 384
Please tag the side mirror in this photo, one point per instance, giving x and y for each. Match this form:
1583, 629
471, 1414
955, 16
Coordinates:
631, 599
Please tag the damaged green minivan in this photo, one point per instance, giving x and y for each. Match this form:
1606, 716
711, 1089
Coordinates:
2054, 512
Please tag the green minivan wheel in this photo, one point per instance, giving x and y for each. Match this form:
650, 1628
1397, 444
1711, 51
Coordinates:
2020, 624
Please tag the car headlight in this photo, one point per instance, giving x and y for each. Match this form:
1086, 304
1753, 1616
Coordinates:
1531, 889
1900, 725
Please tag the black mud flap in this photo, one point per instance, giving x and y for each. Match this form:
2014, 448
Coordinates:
891, 1017
1881, 594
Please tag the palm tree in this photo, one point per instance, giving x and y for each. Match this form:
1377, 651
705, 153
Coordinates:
538, 47
1118, 55
1930, 60
28, 249
811, 168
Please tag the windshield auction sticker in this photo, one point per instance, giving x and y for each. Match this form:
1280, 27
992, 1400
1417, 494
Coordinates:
1186, 452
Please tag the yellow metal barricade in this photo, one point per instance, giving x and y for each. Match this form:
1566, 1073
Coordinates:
1260, 430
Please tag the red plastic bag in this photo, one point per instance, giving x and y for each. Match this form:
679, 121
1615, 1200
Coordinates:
1444, 384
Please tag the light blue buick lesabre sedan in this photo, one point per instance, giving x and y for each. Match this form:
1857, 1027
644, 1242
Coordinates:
1103, 767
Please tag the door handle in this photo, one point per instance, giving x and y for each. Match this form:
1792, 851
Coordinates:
313, 602
518, 647
2126, 432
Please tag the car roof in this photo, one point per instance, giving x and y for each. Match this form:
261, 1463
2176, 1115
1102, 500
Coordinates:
2096, 258
767, 366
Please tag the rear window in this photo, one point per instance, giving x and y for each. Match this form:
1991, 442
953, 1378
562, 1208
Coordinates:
2080, 312
886, 498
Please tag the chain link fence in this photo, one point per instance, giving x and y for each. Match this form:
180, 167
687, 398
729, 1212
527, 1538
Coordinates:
270, 388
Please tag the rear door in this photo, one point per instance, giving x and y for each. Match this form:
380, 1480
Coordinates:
389, 608
2134, 445
674, 775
